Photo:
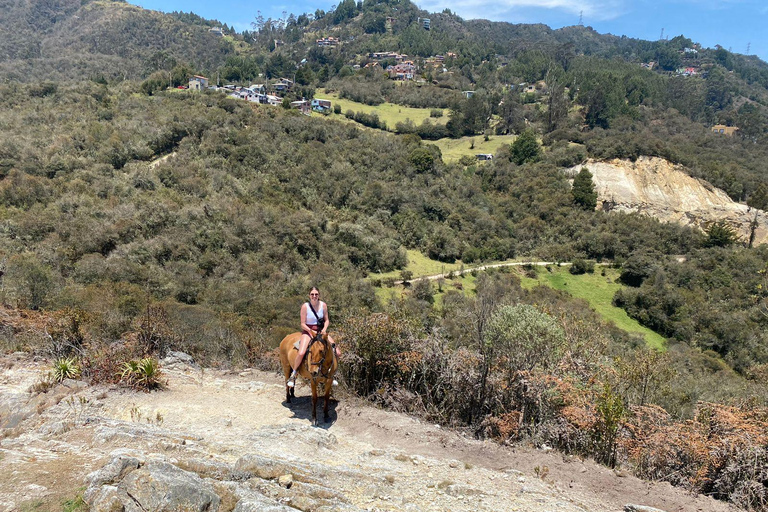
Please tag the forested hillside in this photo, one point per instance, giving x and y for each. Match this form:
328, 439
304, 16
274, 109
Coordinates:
136, 218
111, 40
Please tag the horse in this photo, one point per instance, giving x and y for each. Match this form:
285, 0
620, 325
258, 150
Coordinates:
318, 367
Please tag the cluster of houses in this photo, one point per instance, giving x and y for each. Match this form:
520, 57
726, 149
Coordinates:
687, 71
257, 93
405, 68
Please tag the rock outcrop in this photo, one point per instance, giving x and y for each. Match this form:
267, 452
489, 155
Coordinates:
219, 441
656, 187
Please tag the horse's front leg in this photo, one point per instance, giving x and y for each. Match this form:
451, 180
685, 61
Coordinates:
327, 387
314, 402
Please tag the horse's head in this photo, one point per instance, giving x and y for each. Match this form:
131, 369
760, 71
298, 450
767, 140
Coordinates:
318, 354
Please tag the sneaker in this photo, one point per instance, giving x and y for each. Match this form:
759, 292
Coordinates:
335, 382
291, 380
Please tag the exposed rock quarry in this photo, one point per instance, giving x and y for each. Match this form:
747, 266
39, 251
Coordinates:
221, 441
656, 187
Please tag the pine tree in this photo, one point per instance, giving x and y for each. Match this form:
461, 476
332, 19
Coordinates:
583, 190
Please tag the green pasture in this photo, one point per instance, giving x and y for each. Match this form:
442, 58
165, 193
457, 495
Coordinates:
598, 291
454, 149
387, 112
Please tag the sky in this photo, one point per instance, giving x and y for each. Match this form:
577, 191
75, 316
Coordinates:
738, 25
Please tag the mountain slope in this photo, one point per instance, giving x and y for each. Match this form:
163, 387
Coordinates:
74, 40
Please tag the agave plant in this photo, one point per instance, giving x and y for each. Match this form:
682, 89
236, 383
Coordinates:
142, 373
128, 372
148, 376
65, 368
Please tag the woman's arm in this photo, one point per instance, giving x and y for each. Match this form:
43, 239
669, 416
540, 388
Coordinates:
327, 318
304, 326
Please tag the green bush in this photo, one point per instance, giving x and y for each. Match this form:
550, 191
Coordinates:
525, 337
580, 266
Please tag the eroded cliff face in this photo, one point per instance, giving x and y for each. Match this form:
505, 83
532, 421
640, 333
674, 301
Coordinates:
663, 190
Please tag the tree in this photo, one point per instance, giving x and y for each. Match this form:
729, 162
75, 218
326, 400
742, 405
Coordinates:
583, 190
720, 234
638, 267
558, 106
759, 198
422, 290
525, 148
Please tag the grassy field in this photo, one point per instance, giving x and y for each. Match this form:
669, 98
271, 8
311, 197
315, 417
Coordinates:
387, 112
598, 290
454, 149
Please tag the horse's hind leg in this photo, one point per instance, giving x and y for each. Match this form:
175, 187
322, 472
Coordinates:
288, 390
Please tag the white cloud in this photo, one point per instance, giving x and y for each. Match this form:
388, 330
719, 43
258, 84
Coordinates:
496, 9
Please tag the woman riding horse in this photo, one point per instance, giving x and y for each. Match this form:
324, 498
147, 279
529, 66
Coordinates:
314, 319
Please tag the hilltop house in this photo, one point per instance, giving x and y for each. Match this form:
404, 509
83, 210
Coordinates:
402, 71
721, 129
302, 105
322, 106
258, 89
198, 83
283, 85
216, 31
328, 41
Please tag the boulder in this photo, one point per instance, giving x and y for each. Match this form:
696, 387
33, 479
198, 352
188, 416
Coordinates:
162, 487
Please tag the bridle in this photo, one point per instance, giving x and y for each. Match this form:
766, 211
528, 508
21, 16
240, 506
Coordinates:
324, 372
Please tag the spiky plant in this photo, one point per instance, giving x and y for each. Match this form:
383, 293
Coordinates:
128, 372
149, 374
142, 373
65, 368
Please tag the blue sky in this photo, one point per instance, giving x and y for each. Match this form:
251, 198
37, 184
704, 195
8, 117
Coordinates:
733, 24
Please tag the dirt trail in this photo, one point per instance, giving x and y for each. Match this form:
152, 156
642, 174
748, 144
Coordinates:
400, 463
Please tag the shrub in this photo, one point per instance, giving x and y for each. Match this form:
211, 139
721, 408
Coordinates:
65, 368
144, 374
525, 337
580, 266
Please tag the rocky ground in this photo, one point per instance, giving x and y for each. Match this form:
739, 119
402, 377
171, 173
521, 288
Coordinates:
219, 440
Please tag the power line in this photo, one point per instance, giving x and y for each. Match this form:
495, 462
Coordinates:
748, 46
581, 18
661, 37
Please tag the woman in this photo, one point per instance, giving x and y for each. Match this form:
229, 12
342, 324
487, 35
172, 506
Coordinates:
314, 319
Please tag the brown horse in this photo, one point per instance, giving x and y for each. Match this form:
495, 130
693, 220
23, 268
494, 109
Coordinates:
318, 367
